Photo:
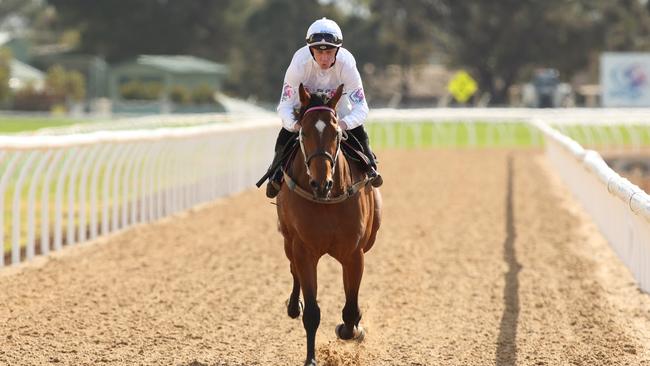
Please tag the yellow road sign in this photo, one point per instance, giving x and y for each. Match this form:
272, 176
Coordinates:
462, 86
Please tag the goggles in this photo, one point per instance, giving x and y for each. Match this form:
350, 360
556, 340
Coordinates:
324, 38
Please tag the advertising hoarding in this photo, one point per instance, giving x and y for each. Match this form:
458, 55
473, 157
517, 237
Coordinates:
625, 79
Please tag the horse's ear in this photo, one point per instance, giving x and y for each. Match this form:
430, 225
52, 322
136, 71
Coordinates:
335, 98
304, 96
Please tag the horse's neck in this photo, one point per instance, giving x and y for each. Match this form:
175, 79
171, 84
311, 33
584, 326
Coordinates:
342, 178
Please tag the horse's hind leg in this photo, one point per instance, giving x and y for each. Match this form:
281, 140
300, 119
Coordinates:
293, 303
352, 273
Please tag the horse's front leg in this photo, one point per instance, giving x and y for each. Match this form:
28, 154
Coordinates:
293, 303
304, 264
352, 273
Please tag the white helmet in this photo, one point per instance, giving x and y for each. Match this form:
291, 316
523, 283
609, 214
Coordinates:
324, 33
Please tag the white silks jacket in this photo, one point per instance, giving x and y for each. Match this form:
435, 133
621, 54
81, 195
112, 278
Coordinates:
352, 108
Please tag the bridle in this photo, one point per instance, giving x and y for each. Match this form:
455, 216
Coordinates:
321, 152
349, 191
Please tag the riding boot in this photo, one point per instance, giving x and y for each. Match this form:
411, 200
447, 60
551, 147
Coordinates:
360, 134
275, 177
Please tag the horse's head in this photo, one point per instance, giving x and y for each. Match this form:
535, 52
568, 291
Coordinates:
320, 138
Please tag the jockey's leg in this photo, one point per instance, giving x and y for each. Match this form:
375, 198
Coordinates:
275, 179
360, 134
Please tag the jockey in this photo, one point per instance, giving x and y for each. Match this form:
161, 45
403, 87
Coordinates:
321, 66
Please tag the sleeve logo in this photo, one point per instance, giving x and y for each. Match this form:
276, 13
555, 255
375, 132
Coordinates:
357, 97
287, 92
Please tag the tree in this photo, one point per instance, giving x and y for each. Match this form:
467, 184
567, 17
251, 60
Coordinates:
499, 42
15, 15
498, 39
271, 34
65, 85
393, 33
120, 29
625, 25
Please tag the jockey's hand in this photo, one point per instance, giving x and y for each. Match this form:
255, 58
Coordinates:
343, 125
296, 127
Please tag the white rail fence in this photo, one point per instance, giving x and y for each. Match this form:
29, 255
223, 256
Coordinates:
154, 121
64, 190
620, 209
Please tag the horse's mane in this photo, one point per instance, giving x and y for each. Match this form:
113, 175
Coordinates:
316, 100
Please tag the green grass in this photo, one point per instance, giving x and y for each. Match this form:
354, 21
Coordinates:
599, 135
452, 135
490, 134
11, 124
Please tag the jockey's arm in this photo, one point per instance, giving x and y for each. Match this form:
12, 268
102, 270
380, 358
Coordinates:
290, 99
286, 107
356, 97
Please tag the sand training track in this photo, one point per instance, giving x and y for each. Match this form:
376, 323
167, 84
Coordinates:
483, 259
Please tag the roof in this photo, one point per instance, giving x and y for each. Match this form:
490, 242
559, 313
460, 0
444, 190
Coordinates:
182, 64
4, 38
23, 71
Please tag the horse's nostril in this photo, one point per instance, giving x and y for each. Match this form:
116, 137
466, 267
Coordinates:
329, 184
313, 184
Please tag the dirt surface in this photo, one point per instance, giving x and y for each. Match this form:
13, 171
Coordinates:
483, 259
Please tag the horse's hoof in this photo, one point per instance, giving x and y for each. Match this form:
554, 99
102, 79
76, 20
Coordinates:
311, 362
357, 334
294, 311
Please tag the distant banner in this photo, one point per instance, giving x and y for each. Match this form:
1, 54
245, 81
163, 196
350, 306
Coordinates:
625, 79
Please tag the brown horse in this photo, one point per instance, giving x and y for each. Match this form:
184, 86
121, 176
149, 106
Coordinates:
326, 206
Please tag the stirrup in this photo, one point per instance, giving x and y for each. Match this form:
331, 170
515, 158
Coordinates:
375, 178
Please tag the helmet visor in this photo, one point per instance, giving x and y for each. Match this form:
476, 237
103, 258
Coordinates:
324, 38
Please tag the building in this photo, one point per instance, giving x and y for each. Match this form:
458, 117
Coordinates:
167, 72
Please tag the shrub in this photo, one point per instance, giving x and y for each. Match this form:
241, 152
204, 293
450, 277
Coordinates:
203, 94
65, 84
30, 99
138, 90
180, 94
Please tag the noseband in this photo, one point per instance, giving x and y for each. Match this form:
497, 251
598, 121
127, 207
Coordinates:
322, 152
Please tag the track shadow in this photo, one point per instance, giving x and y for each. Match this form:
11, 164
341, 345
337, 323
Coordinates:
219, 363
197, 363
506, 353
